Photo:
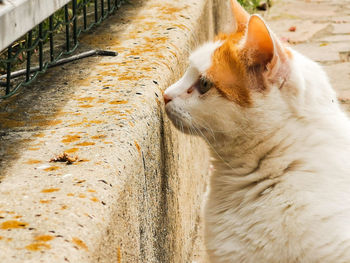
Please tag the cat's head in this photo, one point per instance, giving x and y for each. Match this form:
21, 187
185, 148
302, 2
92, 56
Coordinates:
229, 81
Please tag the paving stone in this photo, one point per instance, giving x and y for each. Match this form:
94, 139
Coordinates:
302, 9
305, 29
336, 38
343, 28
339, 75
327, 53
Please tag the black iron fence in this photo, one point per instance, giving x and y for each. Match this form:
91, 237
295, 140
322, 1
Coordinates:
51, 43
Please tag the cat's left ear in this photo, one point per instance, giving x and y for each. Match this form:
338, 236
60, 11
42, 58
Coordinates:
261, 47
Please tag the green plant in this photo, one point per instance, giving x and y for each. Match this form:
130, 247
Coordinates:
249, 4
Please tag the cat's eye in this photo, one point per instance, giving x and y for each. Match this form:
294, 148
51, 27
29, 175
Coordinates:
204, 85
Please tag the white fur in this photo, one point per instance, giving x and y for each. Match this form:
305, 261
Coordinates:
280, 190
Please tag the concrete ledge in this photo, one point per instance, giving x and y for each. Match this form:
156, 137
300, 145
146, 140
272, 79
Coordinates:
17, 17
135, 196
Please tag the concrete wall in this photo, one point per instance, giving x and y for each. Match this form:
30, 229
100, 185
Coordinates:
136, 193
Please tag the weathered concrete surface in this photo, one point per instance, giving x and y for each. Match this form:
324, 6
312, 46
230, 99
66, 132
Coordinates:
136, 192
322, 33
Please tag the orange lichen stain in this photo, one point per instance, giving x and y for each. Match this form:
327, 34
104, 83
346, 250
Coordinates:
52, 168
182, 26
107, 73
81, 196
48, 123
33, 161
112, 112
158, 40
1, 237
71, 150
85, 120
64, 113
44, 238
99, 137
101, 101
11, 224
33, 148
38, 144
81, 161
148, 25
70, 194
87, 99
118, 102
84, 82
159, 56
86, 106
63, 207
38, 246
85, 144
119, 256
94, 199
45, 201
166, 10
146, 68
96, 121
131, 78
6, 123
79, 243
39, 135
71, 138
8, 212
50, 190
91, 190
107, 63
138, 147
37, 117
108, 142
17, 217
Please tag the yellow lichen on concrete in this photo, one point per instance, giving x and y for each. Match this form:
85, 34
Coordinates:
12, 224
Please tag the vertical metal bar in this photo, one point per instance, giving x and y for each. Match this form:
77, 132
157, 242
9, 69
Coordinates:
84, 14
75, 22
96, 12
66, 16
51, 38
40, 47
102, 8
29, 45
8, 70
109, 5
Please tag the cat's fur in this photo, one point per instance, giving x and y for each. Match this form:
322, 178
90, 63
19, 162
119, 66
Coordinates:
280, 145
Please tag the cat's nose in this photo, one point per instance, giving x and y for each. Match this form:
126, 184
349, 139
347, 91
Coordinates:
166, 99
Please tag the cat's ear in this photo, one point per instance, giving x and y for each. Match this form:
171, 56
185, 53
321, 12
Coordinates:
261, 46
240, 16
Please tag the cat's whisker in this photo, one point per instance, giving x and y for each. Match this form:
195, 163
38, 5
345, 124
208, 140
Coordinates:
211, 146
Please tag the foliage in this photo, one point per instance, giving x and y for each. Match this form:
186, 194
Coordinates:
249, 4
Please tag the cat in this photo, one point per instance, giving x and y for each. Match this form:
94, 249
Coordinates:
280, 147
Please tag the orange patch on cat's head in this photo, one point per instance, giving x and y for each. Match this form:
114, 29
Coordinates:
227, 71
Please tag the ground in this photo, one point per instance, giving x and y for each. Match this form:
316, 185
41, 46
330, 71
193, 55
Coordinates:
322, 33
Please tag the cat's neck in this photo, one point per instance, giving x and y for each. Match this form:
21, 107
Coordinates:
242, 155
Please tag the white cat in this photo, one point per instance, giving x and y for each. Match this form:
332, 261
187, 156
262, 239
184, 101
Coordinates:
280, 145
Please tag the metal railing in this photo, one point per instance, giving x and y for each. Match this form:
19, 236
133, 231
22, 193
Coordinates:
39, 43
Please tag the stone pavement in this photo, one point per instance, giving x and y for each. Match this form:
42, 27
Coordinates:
322, 33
